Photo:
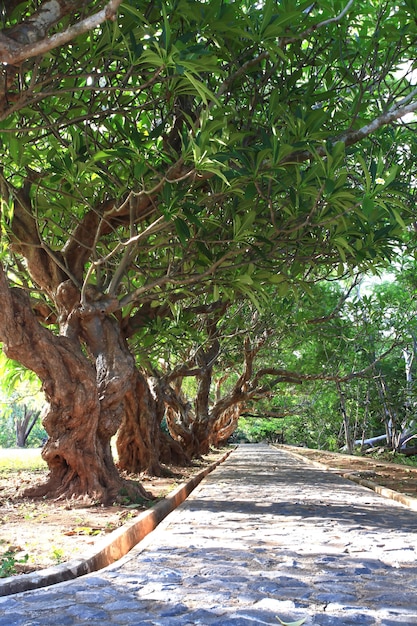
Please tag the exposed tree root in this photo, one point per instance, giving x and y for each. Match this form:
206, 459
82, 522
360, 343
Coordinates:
74, 491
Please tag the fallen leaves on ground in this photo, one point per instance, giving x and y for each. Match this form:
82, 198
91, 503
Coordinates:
39, 533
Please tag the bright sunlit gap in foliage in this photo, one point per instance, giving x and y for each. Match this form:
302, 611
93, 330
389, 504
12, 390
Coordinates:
408, 72
368, 283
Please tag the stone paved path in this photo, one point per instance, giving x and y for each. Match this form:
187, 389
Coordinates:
264, 536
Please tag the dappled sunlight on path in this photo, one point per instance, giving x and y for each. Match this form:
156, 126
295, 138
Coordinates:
264, 535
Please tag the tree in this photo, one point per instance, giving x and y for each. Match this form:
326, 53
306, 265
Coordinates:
339, 352
24, 425
21, 406
385, 313
307, 341
210, 419
369, 335
179, 155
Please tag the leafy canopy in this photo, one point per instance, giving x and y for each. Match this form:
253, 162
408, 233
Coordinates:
197, 150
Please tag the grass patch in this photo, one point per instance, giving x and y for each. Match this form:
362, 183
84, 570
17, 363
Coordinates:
15, 459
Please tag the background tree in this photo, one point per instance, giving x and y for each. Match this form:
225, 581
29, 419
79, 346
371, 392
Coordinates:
300, 342
341, 333
21, 404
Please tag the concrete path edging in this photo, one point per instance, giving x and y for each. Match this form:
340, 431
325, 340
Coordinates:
408, 501
113, 547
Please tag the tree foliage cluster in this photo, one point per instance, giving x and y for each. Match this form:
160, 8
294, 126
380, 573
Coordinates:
370, 343
165, 168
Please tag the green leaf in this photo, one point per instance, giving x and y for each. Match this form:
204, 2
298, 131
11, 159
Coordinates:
268, 7
245, 279
166, 33
399, 218
368, 205
182, 229
329, 186
201, 88
299, 622
367, 176
278, 24
132, 10
338, 150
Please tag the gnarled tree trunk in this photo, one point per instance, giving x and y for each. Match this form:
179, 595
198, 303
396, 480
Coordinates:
197, 432
141, 444
179, 417
138, 436
85, 397
226, 424
210, 423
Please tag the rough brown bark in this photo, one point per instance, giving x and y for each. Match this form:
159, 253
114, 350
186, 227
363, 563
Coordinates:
171, 453
202, 436
138, 438
85, 398
198, 428
179, 416
226, 424
141, 444
190, 430
208, 423
90, 389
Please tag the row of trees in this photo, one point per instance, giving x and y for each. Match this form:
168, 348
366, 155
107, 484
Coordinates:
370, 341
346, 356
164, 174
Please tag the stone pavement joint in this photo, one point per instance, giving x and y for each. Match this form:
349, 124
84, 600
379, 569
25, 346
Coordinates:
265, 535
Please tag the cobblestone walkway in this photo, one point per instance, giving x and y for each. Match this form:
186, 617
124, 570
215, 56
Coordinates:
265, 536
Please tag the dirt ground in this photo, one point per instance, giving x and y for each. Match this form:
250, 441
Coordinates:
35, 534
395, 476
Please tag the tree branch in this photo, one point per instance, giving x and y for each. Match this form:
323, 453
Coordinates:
351, 137
285, 41
34, 30
338, 307
46, 268
287, 376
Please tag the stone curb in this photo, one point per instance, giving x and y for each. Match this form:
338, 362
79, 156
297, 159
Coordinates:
113, 547
408, 501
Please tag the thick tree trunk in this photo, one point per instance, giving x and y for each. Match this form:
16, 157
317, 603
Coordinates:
179, 417
196, 431
172, 453
138, 439
180, 432
201, 431
201, 427
85, 400
226, 424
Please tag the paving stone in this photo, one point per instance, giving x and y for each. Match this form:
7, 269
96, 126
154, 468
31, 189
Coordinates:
264, 535
87, 614
409, 620
353, 620
12, 619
